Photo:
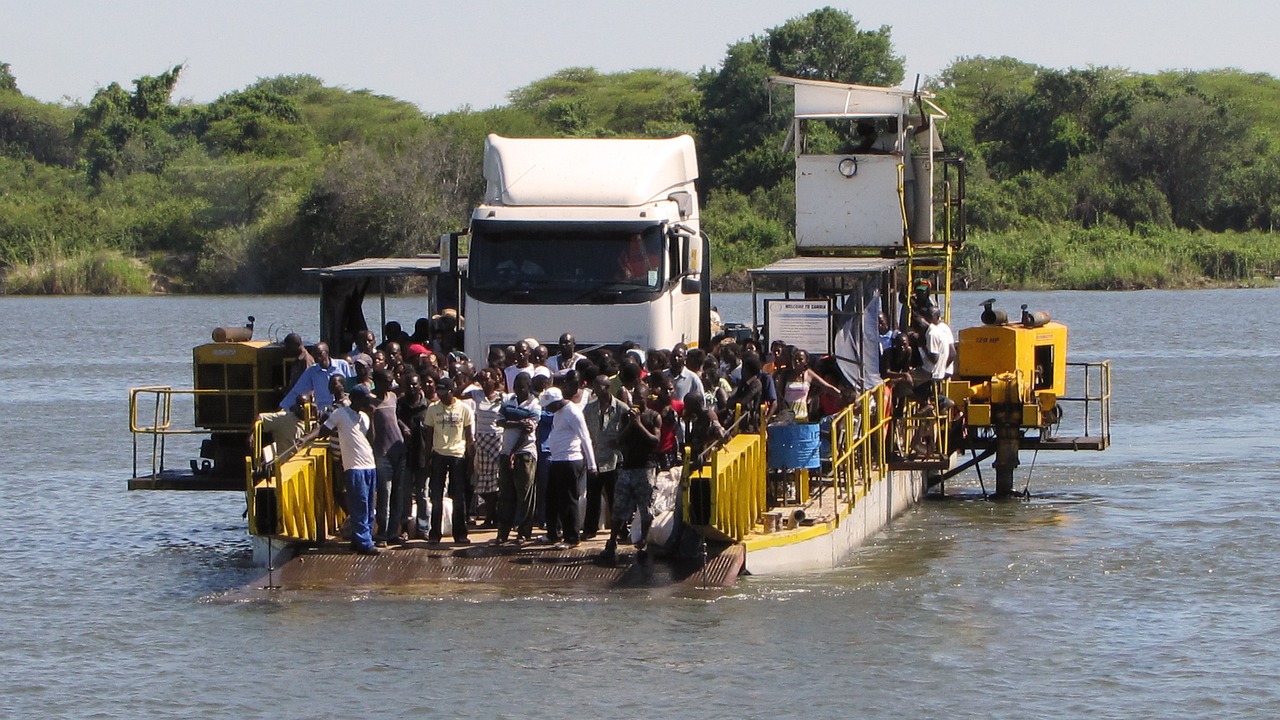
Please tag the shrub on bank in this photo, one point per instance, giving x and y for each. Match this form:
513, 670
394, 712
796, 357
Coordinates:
101, 272
1103, 258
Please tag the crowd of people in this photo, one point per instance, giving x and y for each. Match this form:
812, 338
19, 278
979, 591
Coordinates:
555, 441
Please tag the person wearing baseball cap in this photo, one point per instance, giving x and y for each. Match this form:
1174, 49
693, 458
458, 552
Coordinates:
351, 423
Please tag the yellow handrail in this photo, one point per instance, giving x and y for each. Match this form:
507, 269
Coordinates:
735, 478
302, 483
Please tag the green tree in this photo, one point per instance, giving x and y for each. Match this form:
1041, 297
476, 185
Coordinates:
8, 83
255, 120
741, 122
32, 129
372, 203
582, 102
123, 132
1185, 146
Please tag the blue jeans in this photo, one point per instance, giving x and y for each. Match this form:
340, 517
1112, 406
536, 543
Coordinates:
360, 501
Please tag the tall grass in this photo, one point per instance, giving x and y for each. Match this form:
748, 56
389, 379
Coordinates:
98, 272
1109, 259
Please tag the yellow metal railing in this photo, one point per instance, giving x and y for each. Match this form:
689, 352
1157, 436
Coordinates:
859, 438
736, 476
158, 401
301, 483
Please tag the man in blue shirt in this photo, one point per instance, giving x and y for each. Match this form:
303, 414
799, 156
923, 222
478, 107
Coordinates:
315, 379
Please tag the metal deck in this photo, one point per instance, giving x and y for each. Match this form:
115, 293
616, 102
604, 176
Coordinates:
420, 566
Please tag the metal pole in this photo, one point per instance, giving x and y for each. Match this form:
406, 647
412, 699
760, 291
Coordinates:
382, 303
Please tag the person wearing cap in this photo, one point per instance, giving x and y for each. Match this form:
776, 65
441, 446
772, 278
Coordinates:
363, 368
452, 425
352, 425
921, 301
572, 457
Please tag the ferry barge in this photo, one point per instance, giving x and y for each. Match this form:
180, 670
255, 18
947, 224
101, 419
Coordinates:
879, 211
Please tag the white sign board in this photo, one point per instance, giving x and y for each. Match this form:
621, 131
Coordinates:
803, 323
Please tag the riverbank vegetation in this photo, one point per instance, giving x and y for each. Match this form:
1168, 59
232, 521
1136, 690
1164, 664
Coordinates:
1096, 178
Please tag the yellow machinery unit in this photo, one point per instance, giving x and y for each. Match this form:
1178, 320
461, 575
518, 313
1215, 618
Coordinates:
249, 377
1008, 365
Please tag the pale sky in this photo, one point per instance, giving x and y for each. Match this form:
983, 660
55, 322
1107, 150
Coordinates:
446, 55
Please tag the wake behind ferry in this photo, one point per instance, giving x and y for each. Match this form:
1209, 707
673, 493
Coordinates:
651, 445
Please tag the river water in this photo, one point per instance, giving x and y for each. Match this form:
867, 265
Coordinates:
1139, 582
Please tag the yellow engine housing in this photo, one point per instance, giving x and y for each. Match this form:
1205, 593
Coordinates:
1011, 365
1038, 356
249, 377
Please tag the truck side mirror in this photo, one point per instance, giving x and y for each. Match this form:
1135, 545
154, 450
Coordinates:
690, 264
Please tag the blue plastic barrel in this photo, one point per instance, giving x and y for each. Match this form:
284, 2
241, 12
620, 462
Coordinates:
792, 447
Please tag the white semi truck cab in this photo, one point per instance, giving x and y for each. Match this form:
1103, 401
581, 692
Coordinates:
595, 237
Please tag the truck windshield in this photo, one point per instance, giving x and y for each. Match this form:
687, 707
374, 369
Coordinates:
576, 263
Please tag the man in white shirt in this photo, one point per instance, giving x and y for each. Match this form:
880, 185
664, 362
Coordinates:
352, 425
523, 364
938, 354
571, 456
